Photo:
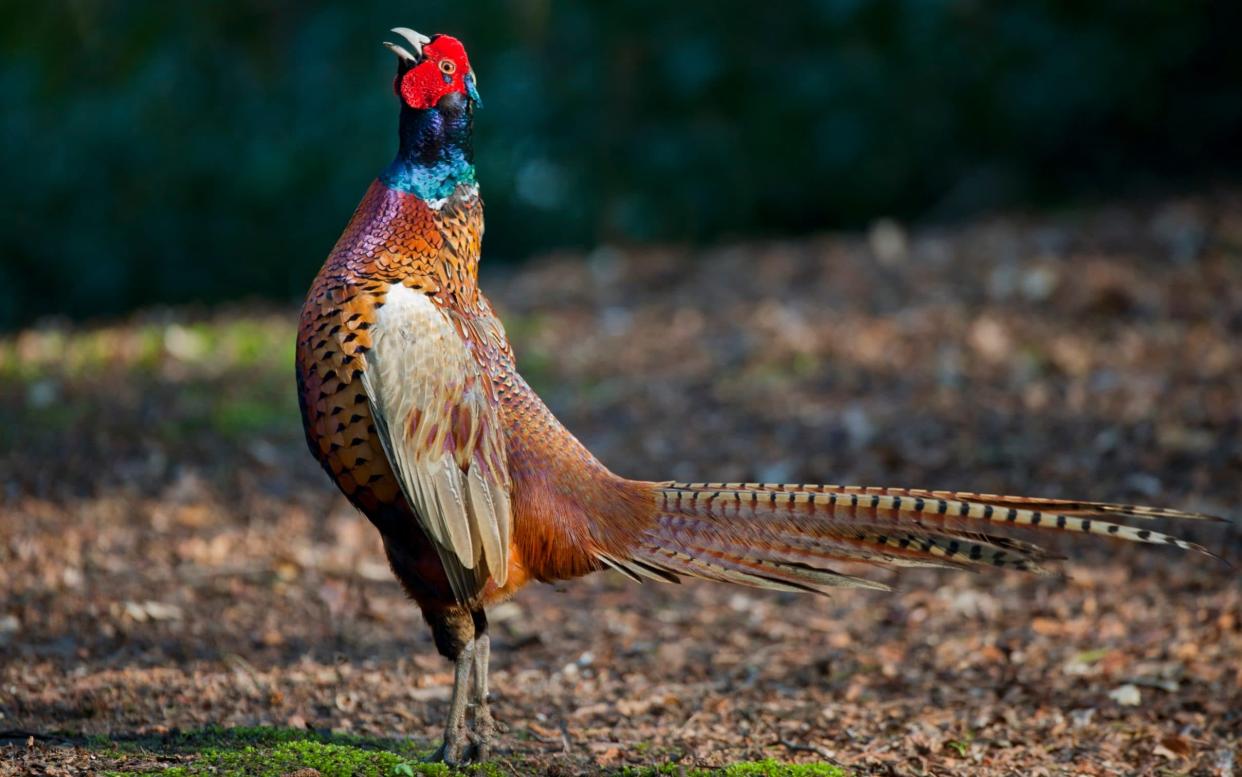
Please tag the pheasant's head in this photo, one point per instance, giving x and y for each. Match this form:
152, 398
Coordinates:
436, 87
433, 73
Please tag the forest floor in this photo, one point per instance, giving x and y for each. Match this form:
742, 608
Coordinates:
182, 591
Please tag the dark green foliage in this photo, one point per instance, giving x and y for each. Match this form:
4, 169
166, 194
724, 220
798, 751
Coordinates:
201, 151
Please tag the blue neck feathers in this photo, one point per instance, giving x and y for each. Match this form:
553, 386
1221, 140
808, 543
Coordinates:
435, 155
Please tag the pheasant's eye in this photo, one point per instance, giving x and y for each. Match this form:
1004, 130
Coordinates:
448, 67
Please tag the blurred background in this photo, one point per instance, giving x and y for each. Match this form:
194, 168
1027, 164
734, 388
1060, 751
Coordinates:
955, 244
199, 152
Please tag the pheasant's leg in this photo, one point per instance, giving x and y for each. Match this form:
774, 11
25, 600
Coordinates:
452, 749
484, 726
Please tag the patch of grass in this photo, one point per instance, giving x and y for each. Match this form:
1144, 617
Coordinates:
766, 768
961, 746
329, 759
263, 343
1089, 656
274, 752
231, 375
240, 416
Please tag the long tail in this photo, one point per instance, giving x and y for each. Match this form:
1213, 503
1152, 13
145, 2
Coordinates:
786, 536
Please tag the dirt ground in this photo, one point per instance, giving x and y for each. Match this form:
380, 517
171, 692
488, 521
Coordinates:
171, 558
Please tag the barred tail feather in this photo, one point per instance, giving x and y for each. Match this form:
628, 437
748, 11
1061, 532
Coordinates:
1064, 506
786, 536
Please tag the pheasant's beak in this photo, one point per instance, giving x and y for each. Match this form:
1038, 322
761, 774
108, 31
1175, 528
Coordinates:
416, 40
472, 89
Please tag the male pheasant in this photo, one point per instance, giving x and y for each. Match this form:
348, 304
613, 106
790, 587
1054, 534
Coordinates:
412, 402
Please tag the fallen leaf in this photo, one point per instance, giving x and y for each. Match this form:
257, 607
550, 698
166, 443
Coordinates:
1127, 695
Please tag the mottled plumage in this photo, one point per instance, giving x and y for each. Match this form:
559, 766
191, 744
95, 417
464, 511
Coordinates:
412, 402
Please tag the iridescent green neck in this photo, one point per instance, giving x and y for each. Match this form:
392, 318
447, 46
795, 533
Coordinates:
435, 155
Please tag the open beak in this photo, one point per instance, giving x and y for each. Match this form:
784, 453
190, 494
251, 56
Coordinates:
416, 40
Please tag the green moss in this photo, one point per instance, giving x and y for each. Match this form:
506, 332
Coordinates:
772, 768
329, 759
273, 752
765, 768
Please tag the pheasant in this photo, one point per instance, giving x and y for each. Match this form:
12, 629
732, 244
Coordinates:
413, 404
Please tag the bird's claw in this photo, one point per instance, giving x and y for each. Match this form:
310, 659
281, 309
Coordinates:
482, 735
466, 746
452, 751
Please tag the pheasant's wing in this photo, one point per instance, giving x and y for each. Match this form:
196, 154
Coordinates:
438, 419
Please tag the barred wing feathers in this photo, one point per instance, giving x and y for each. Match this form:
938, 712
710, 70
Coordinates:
438, 420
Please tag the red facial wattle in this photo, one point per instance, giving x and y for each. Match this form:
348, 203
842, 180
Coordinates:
444, 69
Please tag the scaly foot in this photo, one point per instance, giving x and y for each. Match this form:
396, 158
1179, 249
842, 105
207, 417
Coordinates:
484, 726
453, 750
484, 733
